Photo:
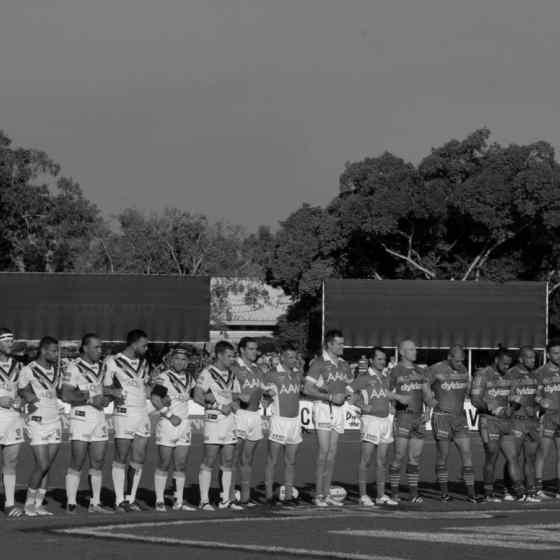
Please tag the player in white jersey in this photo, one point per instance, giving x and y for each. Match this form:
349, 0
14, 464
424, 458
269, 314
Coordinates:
217, 390
171, 393
82, 388
11, 420
38, 385
127, 374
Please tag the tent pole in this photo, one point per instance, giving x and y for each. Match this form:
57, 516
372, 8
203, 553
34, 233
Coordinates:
322, 312
470, 363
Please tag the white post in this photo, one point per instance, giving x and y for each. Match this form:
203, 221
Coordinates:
470, 363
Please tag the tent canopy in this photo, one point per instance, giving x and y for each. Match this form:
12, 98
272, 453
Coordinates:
437, 313
168, 308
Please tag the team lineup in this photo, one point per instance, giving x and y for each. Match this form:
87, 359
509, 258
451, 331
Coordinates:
518, 408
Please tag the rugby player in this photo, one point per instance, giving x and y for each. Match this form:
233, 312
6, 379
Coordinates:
170, 396
126, 377
525, 423
283, 386
325, 384
11, 420
248, 420
38, 386
548, 398
490, 394
82, 388
217, 390
449, 382
370, 392
408, 379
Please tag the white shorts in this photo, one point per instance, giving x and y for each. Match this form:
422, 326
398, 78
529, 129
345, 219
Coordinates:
88, 426
219, 429
173, 436
135, 422
285, 431
43, 433
376, 430
248, 425
11, 429
328, 417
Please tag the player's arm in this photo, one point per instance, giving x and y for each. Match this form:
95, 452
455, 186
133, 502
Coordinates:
112, 388
26, 392
478, 392
312, 389
202, 393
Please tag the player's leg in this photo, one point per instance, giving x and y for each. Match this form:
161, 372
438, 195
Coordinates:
415, 448
463, 444
97, 453
530, 452
290, 454
381, 474
323, 444
400, 452
78, 454
10, 454
134, 472
51, 453
329, 466
510, 449
272, 455
442, 473
245, 469
205, 474
366, 452
226, 468
165, 456
180, 458
543, 450
118, 472
40, 468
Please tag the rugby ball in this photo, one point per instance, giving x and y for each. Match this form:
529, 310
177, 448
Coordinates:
338, 493
282, 493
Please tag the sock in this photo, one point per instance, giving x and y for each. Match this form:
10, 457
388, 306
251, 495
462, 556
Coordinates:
518, 489
468, 477
134, 473
488, 489
362, 480
412, 473
442, 476
31, 496
226, 482
72, 484
289, 477
9, 487
160, 478
118, 482
204, 480
179, 478
40, 496
394, 479
95, 478
245, 472
539, 484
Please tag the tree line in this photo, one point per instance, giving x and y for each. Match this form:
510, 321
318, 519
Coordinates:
470, 210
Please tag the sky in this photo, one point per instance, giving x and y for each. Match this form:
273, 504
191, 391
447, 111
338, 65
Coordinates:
245, 109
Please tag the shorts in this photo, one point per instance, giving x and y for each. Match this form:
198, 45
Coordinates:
285, 431
131, 422
43, 433
11, 429
219, 429
173, 436
376, 430
447, 426
89, 426
492, 428
409, 425
523, 427
328, 417
551, 424
248, 425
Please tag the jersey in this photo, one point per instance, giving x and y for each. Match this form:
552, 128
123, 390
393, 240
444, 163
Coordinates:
45, 383
286, 390
450, 387
548, 385
373, 389
524, 388
132, 375
330, 375
85, 376
490, 392
9, 375
222, 384
249, 377
410, 382
179, 387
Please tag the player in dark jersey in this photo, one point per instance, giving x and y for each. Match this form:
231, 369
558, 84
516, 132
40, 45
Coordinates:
449, 381
548, 398
524, 418
490, 394
409, 380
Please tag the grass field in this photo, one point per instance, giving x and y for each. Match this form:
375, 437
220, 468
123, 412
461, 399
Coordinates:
432, 530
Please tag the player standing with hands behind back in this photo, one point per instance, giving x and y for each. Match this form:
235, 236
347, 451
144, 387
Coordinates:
325, 384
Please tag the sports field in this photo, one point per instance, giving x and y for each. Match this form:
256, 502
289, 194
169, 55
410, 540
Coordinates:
432, 531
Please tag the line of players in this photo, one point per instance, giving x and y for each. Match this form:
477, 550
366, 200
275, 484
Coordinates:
519, 412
